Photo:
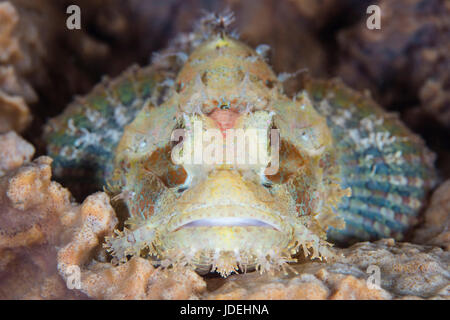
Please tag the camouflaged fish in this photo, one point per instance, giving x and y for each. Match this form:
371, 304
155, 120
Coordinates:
347, 169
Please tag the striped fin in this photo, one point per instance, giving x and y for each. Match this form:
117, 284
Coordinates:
387, 167
82, 139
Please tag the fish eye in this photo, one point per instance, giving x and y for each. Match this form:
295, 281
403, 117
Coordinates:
267, 185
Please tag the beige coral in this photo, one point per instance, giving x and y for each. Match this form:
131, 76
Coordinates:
32, 209
14, 113
136, 279
97, 220
37, 217
28, 199
14, 151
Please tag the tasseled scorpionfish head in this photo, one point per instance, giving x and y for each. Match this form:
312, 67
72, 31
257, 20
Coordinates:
228, 173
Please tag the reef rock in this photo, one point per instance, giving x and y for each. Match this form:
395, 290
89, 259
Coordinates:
405, 271
436, 228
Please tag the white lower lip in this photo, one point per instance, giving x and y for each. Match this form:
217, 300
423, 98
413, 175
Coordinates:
228, 222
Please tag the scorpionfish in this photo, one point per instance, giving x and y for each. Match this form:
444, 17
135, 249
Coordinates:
339, 168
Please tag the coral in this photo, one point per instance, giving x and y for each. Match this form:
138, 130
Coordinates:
136, 279
37, 217
407, 271
97, 220
436, 228
14, 151
28, 196
14, 113
34, 215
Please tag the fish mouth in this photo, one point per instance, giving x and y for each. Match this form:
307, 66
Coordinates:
229, 215
228, 222
226, 237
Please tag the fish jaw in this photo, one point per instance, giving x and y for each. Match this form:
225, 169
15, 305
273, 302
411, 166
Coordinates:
222, 217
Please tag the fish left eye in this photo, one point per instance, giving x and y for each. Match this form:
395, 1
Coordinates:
267, 185
182, 189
